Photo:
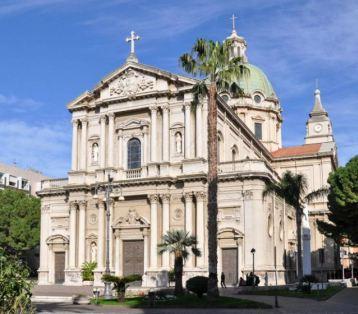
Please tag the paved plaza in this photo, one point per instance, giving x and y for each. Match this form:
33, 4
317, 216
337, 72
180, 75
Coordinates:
344, 302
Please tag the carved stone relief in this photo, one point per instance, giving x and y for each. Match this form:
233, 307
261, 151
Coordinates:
131, 83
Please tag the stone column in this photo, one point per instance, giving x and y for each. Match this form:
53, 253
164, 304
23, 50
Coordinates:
110, 138
153, 134
44, 249
84, 144
119, 254
111, 210
145, 145
166, 208
103, 142
120, 149
200, 227
74, 144
101, 235
199, 127
146, 249
153, 231
189, 221
187, 152
73, 226
165, 109
82, 233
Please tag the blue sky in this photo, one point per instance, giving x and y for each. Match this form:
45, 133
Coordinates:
53, 50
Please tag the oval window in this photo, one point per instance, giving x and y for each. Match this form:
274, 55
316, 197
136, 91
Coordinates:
257, 99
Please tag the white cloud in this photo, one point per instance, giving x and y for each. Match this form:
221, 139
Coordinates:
43, 147
17, 104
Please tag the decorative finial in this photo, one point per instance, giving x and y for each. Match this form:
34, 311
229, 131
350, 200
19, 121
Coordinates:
132, 56
233, 18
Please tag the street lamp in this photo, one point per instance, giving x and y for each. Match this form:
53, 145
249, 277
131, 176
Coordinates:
108, 189
253, 260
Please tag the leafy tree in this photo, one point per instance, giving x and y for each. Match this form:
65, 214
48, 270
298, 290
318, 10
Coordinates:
87, 271
15, 287
178, 242
20, 221
292, 188
343, 204
212, 61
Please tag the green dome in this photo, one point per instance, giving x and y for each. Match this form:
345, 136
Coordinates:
256, 81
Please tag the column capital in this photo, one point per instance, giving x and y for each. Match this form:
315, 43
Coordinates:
100, 204
117, 233
84, 120
165, 198
45, 209
73, 205
165, 107
75, 122
188, 196
82, 204
111, 115
153, 198
200, 195
102, 119
153, 108
187, 105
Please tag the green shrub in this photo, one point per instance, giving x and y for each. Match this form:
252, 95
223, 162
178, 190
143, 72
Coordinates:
198, 285
120, 283
15, 286
87, 271
305, 283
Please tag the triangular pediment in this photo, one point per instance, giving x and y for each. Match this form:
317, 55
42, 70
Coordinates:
133, 80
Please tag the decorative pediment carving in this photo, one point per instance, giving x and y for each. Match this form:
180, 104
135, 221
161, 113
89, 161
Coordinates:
57, 239
132, 124
131, 83
131, 220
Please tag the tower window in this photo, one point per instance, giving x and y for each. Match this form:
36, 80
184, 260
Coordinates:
258, 130
257, 99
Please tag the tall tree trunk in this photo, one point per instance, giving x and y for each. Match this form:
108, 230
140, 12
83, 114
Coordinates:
299, 243
213, 290
178, 270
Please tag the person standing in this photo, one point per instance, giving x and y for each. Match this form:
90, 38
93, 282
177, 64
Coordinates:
223, 285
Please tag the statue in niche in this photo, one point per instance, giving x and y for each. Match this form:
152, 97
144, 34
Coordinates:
95, 152
178, 143
93, 252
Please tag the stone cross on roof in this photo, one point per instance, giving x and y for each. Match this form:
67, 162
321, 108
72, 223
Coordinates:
132, 39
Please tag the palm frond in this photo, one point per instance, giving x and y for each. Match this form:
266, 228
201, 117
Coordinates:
196, 251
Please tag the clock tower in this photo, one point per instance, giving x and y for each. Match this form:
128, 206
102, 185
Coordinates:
318, 126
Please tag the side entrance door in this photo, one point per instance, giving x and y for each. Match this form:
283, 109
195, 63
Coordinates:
59, 267
230, 265
133, 257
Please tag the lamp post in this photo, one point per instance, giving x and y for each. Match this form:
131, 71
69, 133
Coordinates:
108, 188
253, 260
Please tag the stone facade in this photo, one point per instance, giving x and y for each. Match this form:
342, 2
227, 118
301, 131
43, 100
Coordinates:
139, 126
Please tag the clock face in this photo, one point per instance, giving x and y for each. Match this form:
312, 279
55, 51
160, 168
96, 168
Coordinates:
318, 128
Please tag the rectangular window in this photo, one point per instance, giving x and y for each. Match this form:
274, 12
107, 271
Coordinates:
258, 130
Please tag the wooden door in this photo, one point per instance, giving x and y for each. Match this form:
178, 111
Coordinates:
60, 258
230, 265
133, 257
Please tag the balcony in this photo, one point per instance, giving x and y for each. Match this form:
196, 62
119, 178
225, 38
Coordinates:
133, 173
244, 165
54, 183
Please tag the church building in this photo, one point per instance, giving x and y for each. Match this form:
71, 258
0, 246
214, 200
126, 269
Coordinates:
139, 127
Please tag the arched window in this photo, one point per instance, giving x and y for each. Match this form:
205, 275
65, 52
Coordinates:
134, 153
220, 146
95, 152
234, 154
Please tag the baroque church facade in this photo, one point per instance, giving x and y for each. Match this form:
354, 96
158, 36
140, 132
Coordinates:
139, 127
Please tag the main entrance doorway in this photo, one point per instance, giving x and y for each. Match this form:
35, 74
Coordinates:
60, 258
133, 257
230, 265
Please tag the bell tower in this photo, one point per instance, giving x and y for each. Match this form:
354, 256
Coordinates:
318, 125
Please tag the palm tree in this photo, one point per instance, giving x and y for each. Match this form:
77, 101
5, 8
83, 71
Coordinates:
211, 61
178, 242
